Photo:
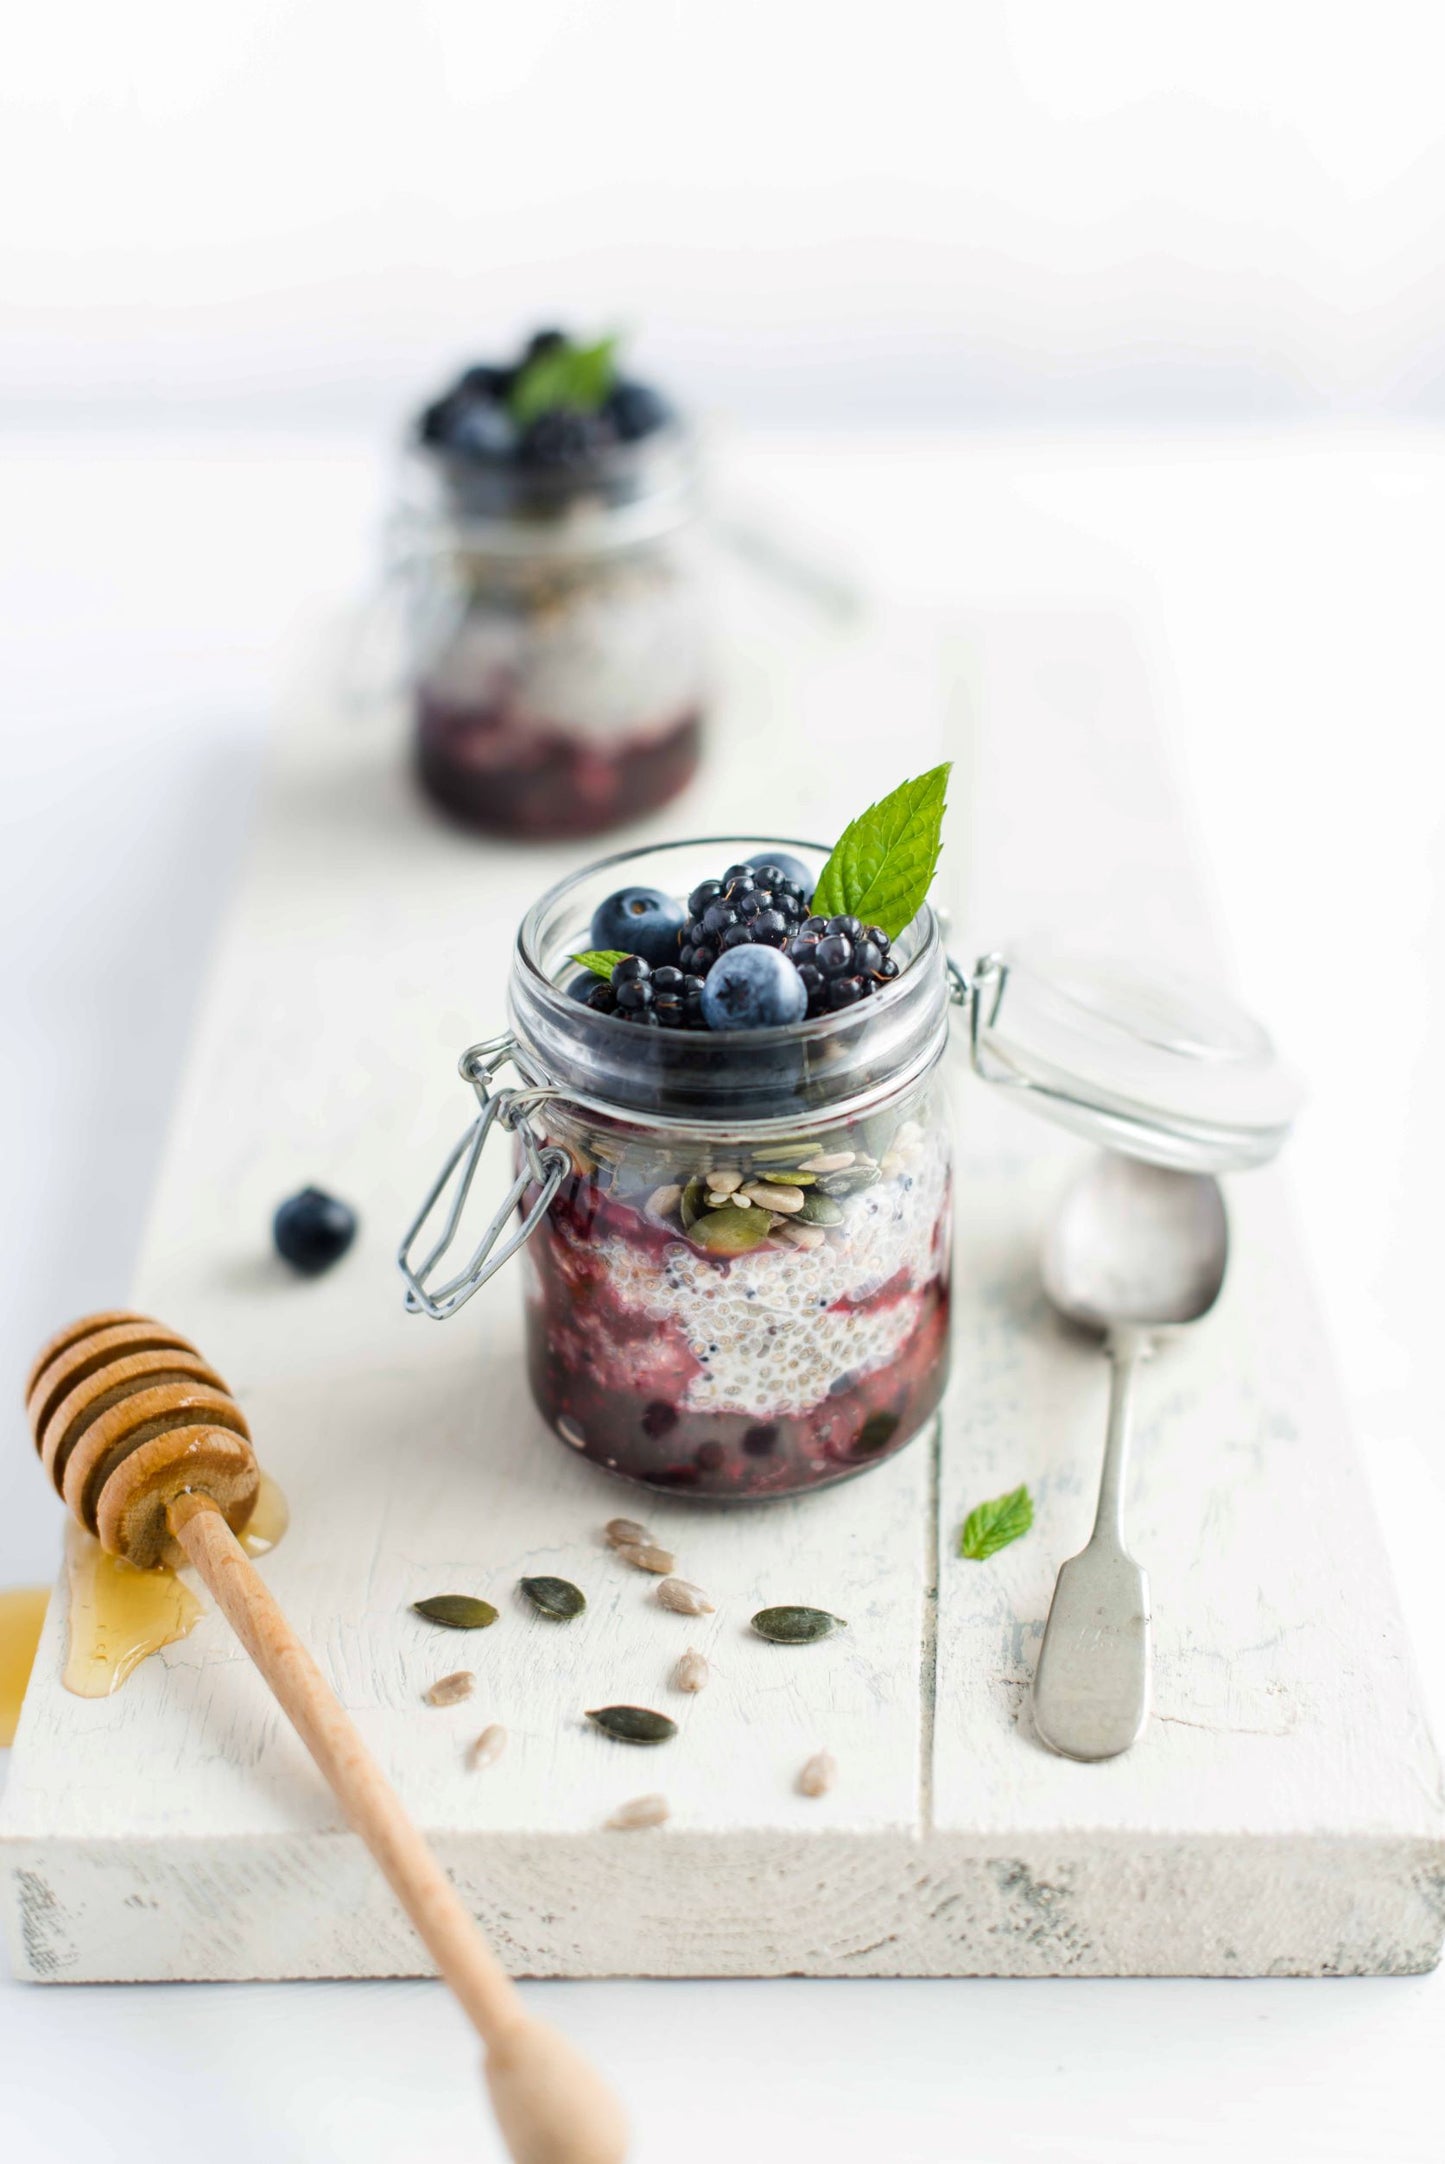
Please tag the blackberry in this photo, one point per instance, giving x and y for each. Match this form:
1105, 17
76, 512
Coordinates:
845, 991
736, 935
846, 927
602, 999
635, 994
632, 969
769, 927
560, 441
834, 954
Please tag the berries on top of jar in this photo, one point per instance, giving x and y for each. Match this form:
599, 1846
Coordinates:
763, 946
557, 410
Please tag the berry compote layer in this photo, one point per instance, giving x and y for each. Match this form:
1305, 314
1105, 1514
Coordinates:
756, 1325
502, 771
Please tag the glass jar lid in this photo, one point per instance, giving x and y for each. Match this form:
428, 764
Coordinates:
1155, 1066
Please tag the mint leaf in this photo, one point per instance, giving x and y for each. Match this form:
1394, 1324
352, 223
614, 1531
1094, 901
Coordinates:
883, 867
600, 960
565, 375
992, 1526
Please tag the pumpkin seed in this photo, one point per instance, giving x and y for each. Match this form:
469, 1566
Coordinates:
642, 1811
632, 1724
729, 1232
818, 1776
556, 1598
456, 1611
451, 1690
690, 1207
796, 1626
691, 1672
820, 1209
782, 1178
489, 1746
851, 1182
684, 1599
643, 1556
626, 1533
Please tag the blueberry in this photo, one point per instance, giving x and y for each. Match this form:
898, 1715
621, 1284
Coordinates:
639, 920
484, 382
792, 869
637, 410
312, 1230
483, 432
437, 420
753, 988
581, 988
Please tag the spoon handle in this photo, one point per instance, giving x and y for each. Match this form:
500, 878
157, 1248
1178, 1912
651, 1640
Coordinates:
1091, 1685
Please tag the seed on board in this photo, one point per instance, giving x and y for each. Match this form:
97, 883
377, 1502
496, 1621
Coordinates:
643, 1556
626, 1533
642, 1811
796, 1626
684, 1599
723, 1183
556, 1598
818, 1776
768, 1197
828, 1161
632, 1724
691, 1672
451, 1690
489, 1746
663, 1201
456, 1611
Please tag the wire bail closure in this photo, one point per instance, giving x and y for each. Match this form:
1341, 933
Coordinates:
545, 1164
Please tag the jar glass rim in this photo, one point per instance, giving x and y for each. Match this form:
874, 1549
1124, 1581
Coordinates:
797, 1073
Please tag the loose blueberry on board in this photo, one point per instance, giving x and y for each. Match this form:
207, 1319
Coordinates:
640, 920
753, 988
313, 1230
792, 868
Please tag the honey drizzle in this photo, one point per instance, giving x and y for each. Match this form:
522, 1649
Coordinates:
22, 1614
119, 1614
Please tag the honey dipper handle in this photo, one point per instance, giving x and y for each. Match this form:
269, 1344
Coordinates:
552, 2106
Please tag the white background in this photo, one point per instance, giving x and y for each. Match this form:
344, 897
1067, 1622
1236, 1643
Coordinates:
1177, 276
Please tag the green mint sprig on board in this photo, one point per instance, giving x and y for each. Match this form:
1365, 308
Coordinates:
564, 375
600, 960
883, 867
991, 1526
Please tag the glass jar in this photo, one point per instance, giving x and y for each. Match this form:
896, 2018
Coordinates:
736, 1243
555, 638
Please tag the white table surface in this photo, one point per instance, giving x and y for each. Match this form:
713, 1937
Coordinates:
151, 589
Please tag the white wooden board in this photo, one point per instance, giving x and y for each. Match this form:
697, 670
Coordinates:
1283, 1813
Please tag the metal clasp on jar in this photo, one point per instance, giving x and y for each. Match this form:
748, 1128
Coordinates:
544, 1165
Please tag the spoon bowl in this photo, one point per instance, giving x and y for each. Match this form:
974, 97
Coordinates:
1137, 1246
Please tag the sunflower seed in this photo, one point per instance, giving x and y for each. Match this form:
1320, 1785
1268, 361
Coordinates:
724, 1183
691, 1672
642, 1811
557, 1598
457, 1611
626, 1533
632, 1724
451, 1690
828, 1161
767, 1197
489, 1746
804, 1236
645, 1557
684, 1599
663, 1201
796, 1626
818, 1776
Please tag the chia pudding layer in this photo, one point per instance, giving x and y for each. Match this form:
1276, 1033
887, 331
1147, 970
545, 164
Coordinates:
816, 1352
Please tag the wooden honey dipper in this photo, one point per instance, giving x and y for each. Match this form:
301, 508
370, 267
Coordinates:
148, 1448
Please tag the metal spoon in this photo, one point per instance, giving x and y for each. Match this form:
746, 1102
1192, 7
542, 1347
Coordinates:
1134, 1249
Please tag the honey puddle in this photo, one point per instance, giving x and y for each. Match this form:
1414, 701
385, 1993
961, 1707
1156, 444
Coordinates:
119, 1614
22, 1612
